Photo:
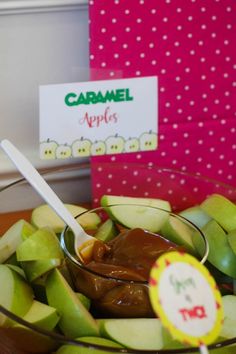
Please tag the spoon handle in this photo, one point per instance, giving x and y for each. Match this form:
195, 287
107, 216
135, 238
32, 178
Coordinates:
40, 185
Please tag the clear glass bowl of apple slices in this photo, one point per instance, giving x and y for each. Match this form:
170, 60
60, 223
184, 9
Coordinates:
35, 280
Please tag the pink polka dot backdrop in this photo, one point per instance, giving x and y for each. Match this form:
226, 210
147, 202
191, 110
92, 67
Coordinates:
191, 46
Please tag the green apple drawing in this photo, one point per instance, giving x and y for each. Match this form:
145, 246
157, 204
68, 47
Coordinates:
132, 145
148, 141
98, 148
63, 151
16, 294
115, 144
81, 147
76, 320
47, 149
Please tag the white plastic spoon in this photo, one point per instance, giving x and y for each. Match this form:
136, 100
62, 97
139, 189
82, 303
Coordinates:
83, 242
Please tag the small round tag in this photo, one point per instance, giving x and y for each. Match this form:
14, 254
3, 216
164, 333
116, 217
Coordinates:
186, 298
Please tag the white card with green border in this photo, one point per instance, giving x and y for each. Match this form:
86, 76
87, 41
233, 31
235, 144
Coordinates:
98, 117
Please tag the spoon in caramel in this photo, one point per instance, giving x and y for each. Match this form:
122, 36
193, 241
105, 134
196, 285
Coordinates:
83, 242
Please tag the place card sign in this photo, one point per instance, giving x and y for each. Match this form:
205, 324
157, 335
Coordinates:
185, 297
98, 118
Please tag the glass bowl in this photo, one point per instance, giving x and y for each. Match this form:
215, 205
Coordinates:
117, 283
72, 185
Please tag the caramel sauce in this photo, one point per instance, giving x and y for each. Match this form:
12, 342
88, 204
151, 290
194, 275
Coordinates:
130, 255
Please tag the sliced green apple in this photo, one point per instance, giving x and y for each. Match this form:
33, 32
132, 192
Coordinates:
42, 244
222, 210
75, 321
107, 231
232, 240
145, 213
44, 215
220, 253
169, 342
35, 269
134, 333
178, 231
42, 315
228, 329
73, 349
84, 299
16, 295
196, 215
13, 237
17, 269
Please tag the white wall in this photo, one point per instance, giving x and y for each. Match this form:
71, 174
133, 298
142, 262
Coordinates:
41, 42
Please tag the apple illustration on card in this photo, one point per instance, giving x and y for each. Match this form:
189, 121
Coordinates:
97, 118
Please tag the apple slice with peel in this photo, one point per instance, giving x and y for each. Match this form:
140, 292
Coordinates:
133, 333
42, 315
169, 342
137, 212
196, 215
73, 349
11, 239
180, 232
44, 215
220, 254
228, 330
42, 244
75, 321
84, 300
35, 269
106, 231
222, 210
232, 240
16, 295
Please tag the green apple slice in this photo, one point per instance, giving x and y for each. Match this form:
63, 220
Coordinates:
42, 244
232, 240
222, 210
16, 295
228, 329
75, 321
84, 300
73, 349
42, 315
179, 232
134, 333
107, 231
196, 215
220, 254
17, 269
169, 342
44, 215
35, 269
143, 212
13, 237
